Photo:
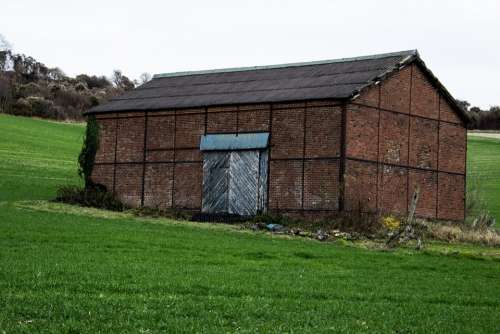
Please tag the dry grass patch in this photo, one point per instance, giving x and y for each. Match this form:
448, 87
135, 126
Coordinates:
458, 233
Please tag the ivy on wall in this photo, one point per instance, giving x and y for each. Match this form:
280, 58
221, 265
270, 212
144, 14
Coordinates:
87, 155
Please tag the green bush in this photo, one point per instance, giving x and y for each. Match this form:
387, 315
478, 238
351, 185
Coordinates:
86, 158
94, 196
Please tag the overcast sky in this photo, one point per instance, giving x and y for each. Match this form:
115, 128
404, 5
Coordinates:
458, 40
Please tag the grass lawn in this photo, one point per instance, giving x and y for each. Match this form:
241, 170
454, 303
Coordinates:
483, 167
36, 156
68, 269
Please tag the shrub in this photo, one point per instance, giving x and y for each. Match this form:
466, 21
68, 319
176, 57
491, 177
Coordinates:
41, 107
391, 223
94, 196
86, 158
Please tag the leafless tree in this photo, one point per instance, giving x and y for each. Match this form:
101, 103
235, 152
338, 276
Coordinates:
4, 44
121, 81
144, 77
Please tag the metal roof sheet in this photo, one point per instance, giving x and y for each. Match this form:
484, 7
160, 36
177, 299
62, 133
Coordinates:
335, 79
329, 79
231, 142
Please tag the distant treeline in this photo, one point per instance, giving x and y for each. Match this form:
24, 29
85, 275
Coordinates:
482, 119
29, 88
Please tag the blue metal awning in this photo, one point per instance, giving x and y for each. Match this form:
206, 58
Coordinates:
229, 142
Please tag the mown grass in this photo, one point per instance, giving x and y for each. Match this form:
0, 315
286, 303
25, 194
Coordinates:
65, 272
36, 156
483, 168
66, 269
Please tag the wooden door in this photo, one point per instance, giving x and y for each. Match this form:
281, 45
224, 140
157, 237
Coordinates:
235, 182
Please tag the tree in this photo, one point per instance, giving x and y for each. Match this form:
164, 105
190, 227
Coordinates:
5, 93
464, 104
93, 81
5, 54
56, 74
4, 44
121, 81
144, 77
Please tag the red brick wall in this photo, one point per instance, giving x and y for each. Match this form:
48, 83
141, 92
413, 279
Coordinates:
427, 183
423, 143
107, 132
452, 148
161, 132
301, 153
130, 139
398, 135
285, 187
451, 196
446, 112
128, 185
321, 185
392, 184
361, 131
287, 138
158, 182
424, 97
360, 186
395, 91
254, 120
104, 175
188, 185
305, 151
393, 138
222, 121
416, 133
322, 132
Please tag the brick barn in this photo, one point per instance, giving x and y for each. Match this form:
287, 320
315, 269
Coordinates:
307, 139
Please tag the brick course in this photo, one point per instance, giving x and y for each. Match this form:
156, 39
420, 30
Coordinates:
423, 143
321, 184
393, 138
285, 187
323, 132
287, 139
158, 184
452, 148
130, 139
107, 133
361, 132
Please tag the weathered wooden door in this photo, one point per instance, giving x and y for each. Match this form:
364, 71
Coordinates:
216, 182
234, 182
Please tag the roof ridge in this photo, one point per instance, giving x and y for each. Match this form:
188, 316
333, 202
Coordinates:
413, 52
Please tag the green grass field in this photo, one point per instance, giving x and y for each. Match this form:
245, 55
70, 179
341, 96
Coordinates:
71, 270
36, 156
483, 168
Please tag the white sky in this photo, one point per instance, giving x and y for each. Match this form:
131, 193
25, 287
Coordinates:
459, 40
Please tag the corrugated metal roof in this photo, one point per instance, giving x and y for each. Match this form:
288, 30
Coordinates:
329, 79
241, 141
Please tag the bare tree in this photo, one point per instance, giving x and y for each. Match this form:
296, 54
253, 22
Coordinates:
121, 81
4, 44
144, 77
5, 54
